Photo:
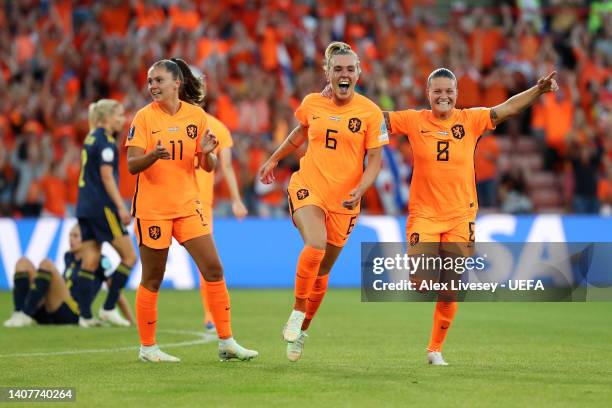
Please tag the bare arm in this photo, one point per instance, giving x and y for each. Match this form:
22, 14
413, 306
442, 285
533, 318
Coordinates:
369, 175
295, 139
106, 172
139, 161
208, 159
522, 101
238, 207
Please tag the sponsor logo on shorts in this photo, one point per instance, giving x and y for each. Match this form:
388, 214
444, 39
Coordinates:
192, 131
354, 124
302, 194
458, 131
154, 232
414, 238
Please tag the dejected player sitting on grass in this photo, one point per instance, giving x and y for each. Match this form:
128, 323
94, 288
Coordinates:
43, 296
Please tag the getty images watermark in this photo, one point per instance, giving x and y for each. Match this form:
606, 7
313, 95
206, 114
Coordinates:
558, 272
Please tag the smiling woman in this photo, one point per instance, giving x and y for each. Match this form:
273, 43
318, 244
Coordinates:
325, 194
443, 202
165, 138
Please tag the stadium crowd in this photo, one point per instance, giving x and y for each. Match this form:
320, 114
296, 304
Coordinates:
260, 58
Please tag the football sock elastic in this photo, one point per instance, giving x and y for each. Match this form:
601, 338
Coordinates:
21, 286
219, 301
118, 280
306, 275
37, 292
314, 299
443, 317
146, 315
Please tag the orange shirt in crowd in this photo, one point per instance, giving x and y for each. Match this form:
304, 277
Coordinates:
148, 16
115, 19
487, 152
188, 20
54, 191
554, 115
73, 171
468, 91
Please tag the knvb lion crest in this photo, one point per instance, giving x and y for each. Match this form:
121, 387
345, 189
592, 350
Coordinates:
192, 131
354, 125
302, 194
458, 131
414, 238
154, 232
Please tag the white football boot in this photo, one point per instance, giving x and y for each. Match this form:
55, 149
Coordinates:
295, 349
153, 354
435, 358
113, 317
293, 328
229, 349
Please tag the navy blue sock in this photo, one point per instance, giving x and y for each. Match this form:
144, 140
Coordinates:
37, 293
85, 289
118, 280
21, 287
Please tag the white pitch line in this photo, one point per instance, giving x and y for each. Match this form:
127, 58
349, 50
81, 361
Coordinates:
203, 339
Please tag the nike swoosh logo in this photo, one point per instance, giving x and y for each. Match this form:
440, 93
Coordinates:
156, 131
227, 308
153, 322
444, 327
315, 117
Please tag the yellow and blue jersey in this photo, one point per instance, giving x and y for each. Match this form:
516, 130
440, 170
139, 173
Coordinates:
99, 148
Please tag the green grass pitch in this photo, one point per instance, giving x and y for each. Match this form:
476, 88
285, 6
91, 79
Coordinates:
358, 354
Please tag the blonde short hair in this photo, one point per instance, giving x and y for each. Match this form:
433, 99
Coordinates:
100, 110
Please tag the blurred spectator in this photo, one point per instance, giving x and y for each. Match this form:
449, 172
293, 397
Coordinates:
262, 57
512, 194
485, 163
585, 155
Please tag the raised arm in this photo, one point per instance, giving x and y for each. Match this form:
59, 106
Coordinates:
295, 139
522, 101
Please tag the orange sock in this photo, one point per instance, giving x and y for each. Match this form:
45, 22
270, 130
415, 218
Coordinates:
443, 317
205, 305
314, 299
146, 315
306, 275
219, 301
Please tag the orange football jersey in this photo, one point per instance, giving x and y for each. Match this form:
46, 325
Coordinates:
168, 188
443, 183
338, 137
206, 180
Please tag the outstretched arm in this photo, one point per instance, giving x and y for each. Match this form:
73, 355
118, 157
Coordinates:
291, 143
522, 101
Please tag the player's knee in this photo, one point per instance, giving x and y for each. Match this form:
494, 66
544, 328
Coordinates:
46, 265
152, 283
214, 272
24, 264
318, 241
